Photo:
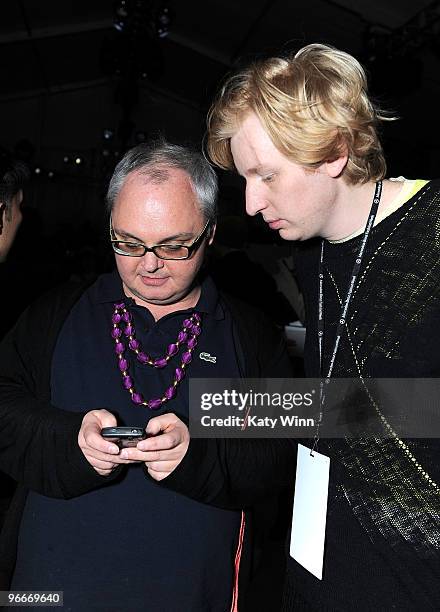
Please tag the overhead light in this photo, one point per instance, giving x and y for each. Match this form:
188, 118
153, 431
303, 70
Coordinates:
121, 9
119, 25
120, 15
163, 21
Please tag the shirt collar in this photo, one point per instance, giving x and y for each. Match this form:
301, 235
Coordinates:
108, 288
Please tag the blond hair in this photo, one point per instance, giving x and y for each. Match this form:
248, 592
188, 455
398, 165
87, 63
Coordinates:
314, 106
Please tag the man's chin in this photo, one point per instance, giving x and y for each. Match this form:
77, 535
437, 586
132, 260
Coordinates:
294, 234
288, 233
152, 299
142, 295
161, 296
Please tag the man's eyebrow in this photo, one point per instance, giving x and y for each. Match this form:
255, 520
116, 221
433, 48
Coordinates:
260, 169
180, 236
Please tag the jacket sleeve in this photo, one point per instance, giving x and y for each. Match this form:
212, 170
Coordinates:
234, 473
38, 442
271, 352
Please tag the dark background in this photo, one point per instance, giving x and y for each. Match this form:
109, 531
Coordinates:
67, 74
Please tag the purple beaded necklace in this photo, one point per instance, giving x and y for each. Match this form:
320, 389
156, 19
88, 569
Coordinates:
191, 329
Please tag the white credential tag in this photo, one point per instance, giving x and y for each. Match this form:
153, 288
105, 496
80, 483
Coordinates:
310, 510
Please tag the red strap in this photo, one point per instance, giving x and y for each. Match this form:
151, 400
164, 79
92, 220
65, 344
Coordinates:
234, 605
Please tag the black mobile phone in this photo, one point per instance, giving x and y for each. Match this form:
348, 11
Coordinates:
124, 436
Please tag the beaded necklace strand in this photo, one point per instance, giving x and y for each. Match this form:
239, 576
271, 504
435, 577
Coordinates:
191, 330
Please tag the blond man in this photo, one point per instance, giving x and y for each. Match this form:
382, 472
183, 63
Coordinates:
302, 131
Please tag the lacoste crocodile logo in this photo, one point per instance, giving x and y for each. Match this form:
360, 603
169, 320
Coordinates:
208, 357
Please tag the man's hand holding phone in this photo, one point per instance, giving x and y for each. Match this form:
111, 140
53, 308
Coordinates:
166, 445
103, 455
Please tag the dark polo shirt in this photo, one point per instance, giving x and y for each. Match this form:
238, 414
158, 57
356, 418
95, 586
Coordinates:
131, 545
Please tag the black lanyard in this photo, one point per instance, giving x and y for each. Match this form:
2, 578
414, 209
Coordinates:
346, 303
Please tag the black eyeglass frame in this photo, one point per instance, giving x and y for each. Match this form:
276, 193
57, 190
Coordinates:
190, 248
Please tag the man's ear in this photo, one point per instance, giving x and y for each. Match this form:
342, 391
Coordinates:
212, 233
2, 215
336, 167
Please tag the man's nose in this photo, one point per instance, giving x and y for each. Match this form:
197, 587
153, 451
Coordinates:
151, 262
254, 201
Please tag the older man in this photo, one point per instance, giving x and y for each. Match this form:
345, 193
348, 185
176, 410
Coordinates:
90, 520
302, 131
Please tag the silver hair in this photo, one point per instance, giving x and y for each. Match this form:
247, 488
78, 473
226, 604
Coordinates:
155, 158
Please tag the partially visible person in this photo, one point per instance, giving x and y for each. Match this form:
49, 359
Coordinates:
14, 174
13, 177
303, 132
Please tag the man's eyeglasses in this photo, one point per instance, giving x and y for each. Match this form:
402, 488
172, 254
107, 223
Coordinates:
162, 251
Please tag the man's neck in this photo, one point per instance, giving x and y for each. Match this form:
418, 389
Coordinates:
161, 310
352, 207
